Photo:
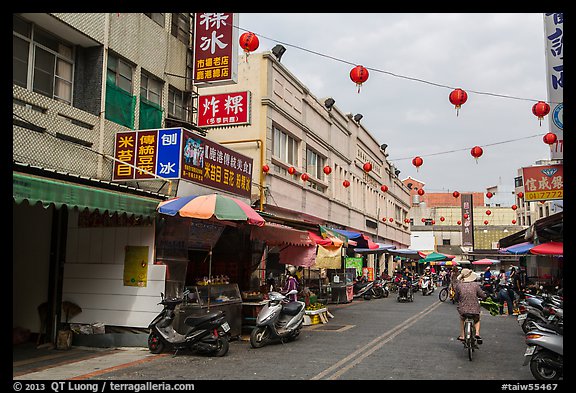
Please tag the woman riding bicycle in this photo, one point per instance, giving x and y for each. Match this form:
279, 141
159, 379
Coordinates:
467, 293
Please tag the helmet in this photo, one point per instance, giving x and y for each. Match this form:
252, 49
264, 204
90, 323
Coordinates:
291, 270
427, 268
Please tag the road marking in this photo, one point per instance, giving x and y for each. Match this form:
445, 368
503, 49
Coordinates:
360, 354
149, 358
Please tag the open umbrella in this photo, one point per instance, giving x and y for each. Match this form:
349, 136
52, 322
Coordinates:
212, 205
520, 248
485, 261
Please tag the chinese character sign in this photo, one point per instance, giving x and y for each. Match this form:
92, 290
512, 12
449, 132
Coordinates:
215, 48
554, 29
467, 220
224, 109
208, 163
125, 151
545, 182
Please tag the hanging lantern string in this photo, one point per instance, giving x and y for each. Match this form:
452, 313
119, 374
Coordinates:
466, 148
397, 75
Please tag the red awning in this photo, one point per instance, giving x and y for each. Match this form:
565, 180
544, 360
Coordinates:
550, 248
277, 235
329, 241
371, 244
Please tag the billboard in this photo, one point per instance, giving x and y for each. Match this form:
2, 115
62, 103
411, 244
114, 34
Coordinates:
544, 182
177, 153
467, 220
215, 48
225, 109
554, 31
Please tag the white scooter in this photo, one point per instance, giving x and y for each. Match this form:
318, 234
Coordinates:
279, 320
426, 285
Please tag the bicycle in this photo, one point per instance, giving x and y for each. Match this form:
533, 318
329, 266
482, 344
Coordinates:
447, 292
469, 335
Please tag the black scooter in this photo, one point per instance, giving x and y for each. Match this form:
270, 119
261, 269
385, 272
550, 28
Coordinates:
205, 334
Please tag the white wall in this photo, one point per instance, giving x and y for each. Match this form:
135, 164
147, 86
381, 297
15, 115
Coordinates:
422, 241
94, 275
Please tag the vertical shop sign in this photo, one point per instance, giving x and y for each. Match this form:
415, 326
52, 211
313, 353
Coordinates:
208, 163
224, 109
146, 154
544, 182
125, 151
215, 48
136, 266
468, 222
554, 29
169, 147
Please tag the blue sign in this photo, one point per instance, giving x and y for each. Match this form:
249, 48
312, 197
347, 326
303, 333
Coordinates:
168, 162
557, 116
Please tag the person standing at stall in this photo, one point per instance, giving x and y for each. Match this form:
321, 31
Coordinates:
291, 283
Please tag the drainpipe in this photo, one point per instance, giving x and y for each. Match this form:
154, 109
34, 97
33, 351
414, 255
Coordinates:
261, 146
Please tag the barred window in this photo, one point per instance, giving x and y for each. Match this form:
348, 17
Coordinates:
181, 27
177, 104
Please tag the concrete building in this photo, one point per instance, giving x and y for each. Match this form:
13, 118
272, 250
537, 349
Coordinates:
290, 127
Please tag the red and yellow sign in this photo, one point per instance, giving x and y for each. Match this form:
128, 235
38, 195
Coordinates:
545, 182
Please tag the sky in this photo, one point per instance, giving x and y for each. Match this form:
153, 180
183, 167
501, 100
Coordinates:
415, 60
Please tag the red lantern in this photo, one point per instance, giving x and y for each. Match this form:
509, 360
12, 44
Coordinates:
384, 188
488, 212
384, 219
540, 109
455, 194
291, 170
423, 219
476, 152
457, 98
442, 218
513, 221
420, 192
367, 167
327, 170
550, 138
304, 176
391, 219
514, 207
459, 222
489, 194
465, 216
265, 168
433, 222
346, 183
485, 222
359, 75
417, 162
520, 194
249, 42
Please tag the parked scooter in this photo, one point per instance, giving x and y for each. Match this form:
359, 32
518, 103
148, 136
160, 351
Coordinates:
377, 291
426, 285
205, 334
540, 309
545, 352
279, 320
363, 288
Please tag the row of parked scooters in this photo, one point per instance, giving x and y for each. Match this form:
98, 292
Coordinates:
541, 319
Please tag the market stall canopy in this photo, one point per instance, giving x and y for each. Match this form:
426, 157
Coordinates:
361, 240
381, 248
446, 263
520, 248
212, 205
405, 252
436, 256
328, 254
324, 241
486, 261
277, 235
550, 248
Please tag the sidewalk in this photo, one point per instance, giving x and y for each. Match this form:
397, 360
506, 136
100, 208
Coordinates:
77, 363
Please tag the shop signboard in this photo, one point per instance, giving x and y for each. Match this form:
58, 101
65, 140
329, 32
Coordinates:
356, 263
543, 182
227, 109
554, 29
177, 153
467, 220
215, 48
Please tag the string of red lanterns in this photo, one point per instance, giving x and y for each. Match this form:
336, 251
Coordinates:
417, 162
458, 97
249, 42
476, 152
540, 109
359, 75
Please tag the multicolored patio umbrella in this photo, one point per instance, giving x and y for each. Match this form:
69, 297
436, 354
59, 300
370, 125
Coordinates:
435, 257
212, 205
486, 261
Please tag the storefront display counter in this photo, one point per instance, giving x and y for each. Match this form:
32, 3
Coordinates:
341, 288
216, 297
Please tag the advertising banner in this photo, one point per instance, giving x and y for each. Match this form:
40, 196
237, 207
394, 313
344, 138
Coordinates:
226, 109
467, 220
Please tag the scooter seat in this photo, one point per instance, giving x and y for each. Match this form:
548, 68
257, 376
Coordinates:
292, 308
195, 320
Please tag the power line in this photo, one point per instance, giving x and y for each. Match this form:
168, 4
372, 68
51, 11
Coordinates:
394, 74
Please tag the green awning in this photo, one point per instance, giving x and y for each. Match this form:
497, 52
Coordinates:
58, 192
